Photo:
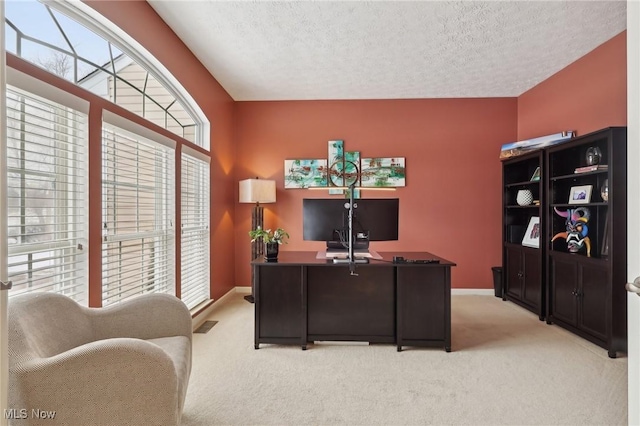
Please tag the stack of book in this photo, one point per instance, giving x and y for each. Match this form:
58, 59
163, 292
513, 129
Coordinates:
593, 168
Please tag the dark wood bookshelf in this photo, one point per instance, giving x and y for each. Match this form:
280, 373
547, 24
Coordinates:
586, 292
523, 266
583, 293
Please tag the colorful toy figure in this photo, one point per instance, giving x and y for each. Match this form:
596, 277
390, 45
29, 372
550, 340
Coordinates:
577, 229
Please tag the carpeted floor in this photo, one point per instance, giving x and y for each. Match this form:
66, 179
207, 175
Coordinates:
506, 367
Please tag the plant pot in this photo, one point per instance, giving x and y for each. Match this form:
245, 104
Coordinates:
271, 252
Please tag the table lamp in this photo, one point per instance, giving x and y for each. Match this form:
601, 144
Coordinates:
257, 191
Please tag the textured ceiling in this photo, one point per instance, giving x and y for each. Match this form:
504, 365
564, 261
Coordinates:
388, 50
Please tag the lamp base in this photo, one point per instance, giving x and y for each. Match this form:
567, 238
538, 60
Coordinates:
257, 247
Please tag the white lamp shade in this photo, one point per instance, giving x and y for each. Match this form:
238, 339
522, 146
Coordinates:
257, 191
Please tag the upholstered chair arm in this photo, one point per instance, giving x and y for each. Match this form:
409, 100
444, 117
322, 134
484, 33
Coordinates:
149, 317
105, 382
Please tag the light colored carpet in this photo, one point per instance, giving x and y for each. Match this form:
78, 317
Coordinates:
506, 367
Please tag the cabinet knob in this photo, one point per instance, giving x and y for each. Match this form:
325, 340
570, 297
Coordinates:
520, 274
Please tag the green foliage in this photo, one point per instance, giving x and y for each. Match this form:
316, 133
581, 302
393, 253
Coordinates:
278, 236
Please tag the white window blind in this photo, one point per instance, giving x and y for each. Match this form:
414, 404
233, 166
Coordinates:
46, 196
137, 216
194, 231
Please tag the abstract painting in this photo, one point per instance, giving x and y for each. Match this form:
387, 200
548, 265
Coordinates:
305, 173
342, 169
382, 172
335, 156
351, 171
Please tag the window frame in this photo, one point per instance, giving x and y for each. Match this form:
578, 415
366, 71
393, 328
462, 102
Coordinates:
93, 20
98, 107
163, 238
37, 88
101, 26
199, 234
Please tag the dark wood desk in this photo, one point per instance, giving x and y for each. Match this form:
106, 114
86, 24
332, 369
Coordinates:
301, 299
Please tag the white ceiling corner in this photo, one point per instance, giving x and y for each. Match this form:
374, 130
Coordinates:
301, 50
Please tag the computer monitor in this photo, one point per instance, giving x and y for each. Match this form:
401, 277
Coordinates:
374, 219
378, 217
324, 219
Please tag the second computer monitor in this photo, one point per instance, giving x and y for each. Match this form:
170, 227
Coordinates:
327, 219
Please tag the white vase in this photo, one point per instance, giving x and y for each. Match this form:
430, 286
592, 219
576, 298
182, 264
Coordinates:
524, 197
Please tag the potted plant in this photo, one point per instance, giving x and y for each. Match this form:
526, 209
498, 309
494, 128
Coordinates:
271, 240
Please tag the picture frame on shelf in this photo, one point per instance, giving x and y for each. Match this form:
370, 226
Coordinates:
580, 194
532, 235
536, 175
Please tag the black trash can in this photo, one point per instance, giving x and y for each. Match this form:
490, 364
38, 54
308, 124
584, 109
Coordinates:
497, 280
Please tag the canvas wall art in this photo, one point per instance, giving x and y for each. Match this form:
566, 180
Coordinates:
351, 171
514, 149
303, 173
335, 157
383, 172
351, 168
342, 169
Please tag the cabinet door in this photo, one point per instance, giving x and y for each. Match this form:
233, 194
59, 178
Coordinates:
351, 307
563, 287
532, 288
280, 306
422, 300
513, 273
594, 300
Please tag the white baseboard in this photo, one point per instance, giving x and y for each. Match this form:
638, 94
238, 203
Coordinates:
202, 316
454, 291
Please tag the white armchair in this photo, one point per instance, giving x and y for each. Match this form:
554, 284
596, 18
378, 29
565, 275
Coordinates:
126, 364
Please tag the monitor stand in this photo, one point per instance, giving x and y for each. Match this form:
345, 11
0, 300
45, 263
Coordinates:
342, 255
347, 261
340, 246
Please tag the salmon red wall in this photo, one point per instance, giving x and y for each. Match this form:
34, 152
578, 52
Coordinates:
588, 95
142, 23
451, 204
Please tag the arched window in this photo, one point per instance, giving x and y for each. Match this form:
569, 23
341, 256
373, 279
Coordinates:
138, 184
74, 42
